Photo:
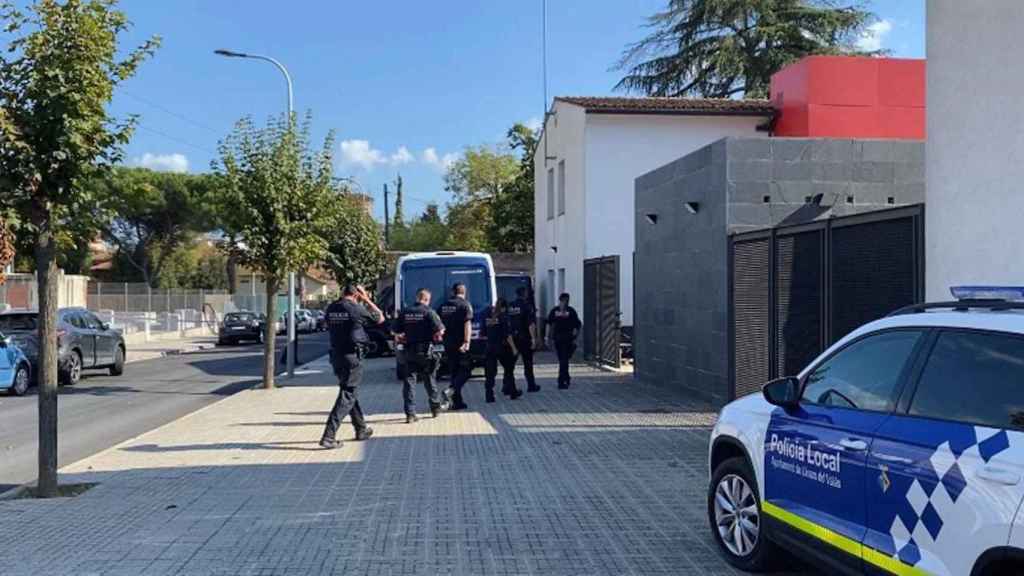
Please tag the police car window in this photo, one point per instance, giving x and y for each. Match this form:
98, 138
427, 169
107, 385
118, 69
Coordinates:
863, 375
973, 377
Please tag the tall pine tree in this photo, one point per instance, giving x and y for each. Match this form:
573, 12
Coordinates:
399, 216
723, 48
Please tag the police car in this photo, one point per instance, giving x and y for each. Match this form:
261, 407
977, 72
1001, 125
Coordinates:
900, 450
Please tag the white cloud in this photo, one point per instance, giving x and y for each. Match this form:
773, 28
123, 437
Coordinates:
872, 38
534, 123
360, 153
402, 156
162, 162
441, 163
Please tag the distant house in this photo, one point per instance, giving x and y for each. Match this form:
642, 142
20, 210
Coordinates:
314, 285
590, 153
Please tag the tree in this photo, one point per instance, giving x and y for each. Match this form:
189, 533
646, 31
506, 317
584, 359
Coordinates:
57, 76
155, 214
512, 229
277, 202
6, 248
720, 48
355, 253
476, 181
399, 213
427, 233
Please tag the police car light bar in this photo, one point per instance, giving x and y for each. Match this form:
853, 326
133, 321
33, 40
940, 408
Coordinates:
1003, 293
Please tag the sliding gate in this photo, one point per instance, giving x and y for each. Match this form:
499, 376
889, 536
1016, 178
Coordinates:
601, 310
796, 290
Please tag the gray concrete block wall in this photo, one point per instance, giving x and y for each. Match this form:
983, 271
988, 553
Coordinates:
680, 282
742, 184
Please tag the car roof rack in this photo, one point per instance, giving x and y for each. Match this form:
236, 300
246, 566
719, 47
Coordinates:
960, 306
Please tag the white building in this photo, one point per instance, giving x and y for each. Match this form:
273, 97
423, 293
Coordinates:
975, 147
591, 151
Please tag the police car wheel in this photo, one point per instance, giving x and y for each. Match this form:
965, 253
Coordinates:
734, 514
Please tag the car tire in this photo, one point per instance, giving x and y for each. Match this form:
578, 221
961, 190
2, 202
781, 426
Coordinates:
73, 373
117, 368
21, 381
734, 487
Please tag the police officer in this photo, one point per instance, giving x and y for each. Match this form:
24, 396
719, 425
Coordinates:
457, 315
345, 321
501, 349
523, 320
416, 328
563, 327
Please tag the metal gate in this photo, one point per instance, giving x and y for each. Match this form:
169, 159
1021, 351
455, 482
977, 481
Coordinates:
601, 310
796, 290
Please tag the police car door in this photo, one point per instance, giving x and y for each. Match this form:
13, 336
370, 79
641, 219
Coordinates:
945, 473
815, 454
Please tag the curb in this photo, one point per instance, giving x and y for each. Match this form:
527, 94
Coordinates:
15, 493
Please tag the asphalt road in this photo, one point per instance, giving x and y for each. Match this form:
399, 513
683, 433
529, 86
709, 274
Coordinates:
103, 411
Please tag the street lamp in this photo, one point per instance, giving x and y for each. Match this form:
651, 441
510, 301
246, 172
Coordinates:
290, 346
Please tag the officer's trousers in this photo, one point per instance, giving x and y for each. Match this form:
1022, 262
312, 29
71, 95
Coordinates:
459, 369
349, 370
422, 367
565, 349
525, 347
508, 366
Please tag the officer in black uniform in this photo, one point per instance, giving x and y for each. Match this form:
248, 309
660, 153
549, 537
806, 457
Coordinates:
563, 327
523, 320
457, 315
416, 328
501, 348
345, 320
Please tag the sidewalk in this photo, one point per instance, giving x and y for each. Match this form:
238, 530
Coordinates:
158, 348
605, 478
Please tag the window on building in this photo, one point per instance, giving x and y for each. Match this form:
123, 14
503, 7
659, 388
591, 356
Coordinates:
561, 280
973, 377
551, 193
864, 375
561, 187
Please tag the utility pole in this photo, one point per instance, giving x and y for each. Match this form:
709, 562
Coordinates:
387, 219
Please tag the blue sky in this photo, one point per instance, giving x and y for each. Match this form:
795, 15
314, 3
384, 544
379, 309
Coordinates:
406, 85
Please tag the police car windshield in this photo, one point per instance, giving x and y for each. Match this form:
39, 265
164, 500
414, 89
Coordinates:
439, 280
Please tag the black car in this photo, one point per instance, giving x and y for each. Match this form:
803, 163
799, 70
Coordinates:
239, 326
83, 340
508, 283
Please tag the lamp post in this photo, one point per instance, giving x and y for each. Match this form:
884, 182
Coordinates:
290, 320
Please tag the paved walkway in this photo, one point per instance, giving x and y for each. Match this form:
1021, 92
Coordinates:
605, 478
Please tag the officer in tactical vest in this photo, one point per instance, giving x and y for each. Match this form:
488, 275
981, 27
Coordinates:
345, 321
522, 318
563, 328
417, 329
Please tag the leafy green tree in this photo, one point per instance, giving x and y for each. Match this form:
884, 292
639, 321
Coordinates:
356, 249
720, 48
427, 233
58, 72
155, 214
277, 202
512, 229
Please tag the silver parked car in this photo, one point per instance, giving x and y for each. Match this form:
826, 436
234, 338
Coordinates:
84, 341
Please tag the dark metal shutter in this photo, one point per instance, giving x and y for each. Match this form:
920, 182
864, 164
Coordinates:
798, 312
590, 308
873, 272
609, 313
751, 315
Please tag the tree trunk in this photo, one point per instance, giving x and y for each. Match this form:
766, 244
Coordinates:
46, 277
232, 271
270, 334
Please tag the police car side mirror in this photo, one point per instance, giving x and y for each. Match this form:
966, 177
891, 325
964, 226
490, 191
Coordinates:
784, 392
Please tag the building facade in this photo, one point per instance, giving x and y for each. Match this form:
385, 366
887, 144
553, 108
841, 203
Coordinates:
590, 153
975, 144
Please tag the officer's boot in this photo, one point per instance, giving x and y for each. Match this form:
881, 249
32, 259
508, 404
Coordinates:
457, 401
490, 395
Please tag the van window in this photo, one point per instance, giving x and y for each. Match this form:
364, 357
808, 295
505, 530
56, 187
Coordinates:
440, 279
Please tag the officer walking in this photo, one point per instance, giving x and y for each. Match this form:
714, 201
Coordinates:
523, 320
457, 316
345, 320
501, 348
416, 328
564, 326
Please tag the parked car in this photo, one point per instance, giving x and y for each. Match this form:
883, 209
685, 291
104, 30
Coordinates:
239, 326
84, 342
321, 320
899, 450
304, 322
15, 368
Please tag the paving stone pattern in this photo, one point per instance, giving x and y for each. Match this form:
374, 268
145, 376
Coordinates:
606, 478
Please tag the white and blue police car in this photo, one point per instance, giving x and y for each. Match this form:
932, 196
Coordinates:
899, 450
